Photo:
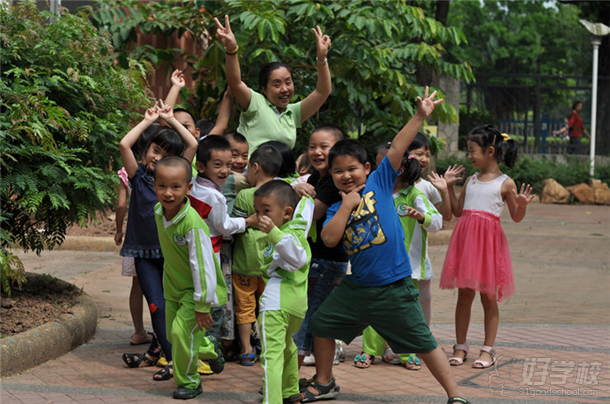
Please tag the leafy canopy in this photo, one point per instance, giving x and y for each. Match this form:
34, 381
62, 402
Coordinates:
65, 106
376, 47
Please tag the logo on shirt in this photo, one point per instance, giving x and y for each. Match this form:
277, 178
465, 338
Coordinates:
363, 229
402, 209
268, 251
179, 239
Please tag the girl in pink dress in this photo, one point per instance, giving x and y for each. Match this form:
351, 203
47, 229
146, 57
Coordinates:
478, 258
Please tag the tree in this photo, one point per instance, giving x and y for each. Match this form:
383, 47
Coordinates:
65, 106
376, 46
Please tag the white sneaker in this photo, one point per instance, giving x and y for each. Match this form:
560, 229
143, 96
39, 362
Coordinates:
309, 360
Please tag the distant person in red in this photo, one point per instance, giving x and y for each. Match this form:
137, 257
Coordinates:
576, 129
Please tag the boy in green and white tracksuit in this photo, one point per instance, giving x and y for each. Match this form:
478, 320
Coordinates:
192, 282
284, 302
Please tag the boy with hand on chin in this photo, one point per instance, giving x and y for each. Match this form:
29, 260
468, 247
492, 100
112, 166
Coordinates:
192, 281
286, 221
379, 292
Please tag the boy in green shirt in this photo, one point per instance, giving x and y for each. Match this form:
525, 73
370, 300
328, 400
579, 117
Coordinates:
248, 262
192, 281
286, 221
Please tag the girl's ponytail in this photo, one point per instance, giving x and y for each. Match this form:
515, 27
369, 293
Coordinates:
510, 151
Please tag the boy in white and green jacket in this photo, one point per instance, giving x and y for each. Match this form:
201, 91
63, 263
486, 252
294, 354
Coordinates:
284, 302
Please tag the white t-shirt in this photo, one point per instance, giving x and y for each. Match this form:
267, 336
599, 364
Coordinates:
428, 189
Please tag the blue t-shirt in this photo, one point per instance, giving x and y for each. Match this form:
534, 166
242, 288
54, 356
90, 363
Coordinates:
373, 238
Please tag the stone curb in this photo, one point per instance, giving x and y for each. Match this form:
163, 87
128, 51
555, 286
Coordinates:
51, 340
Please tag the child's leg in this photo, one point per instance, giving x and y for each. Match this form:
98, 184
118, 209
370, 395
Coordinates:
273, 331
150, 277
425, 298
462, 317
324, 351
136, 306
492, 320
244, 289
290, 376
440, 369
186, 338
372, 345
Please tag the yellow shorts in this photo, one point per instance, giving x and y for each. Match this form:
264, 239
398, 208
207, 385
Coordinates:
246, 290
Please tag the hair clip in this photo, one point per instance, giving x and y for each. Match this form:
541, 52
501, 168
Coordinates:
410, 157
505, 137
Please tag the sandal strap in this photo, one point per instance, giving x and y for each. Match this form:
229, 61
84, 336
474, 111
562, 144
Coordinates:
151, 362
489, 349
461, 347
461, 400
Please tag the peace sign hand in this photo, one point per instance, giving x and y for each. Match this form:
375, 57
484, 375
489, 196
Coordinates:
322, 43
225, 35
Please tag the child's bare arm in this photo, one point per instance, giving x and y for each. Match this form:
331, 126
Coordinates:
129, 160
178, 84
332, 233
406, 135
166, 112
517, 202
121, 209
224, 113
444, 206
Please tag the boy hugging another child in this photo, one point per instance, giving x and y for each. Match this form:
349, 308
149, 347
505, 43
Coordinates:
248, 260
286, 221
192, 281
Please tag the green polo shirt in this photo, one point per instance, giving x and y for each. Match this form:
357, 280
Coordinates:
261, 122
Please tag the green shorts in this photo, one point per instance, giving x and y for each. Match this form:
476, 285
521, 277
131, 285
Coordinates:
392, 310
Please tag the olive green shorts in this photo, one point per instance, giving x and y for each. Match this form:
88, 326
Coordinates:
392, 310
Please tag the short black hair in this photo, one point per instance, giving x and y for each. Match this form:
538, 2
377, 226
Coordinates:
236, 136
175, 161
332, 128
283, 192
304, 163
347, 147
204, 126
420, 141
289, 163
209, 143
268, 158
184, 110
167, 139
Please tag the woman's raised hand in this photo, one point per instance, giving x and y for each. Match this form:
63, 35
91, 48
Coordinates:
322, 43
225, 35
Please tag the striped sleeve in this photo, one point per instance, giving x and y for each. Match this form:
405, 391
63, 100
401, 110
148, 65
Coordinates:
203, 270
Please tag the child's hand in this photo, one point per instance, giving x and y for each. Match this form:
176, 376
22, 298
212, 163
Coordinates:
204, 321
166, 111
305, 189
252, 221
426, 106
118, 237
178, 78
414, 214
152, 113
525, 195
225, 35
265, 224
438, 181
451, 175
322, 43
352, 199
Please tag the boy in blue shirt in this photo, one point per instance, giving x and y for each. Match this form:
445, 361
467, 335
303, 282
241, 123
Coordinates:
380, 286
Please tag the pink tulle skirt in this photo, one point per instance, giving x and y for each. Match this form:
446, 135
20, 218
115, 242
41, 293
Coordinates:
478, 257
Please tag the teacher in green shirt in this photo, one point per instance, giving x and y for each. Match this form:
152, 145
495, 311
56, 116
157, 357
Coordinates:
269, 115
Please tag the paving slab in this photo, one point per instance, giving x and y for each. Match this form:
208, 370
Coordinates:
553, 340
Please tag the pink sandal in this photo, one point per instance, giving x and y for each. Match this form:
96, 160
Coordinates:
456, 360
481, 364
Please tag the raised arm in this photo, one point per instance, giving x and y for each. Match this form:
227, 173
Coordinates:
240, 90
406, 135
517, 202
314, 101
178, 84
129, 160
166, 112
224, 113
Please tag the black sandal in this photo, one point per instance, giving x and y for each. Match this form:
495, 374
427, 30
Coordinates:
460, 400
134, 360
164, 374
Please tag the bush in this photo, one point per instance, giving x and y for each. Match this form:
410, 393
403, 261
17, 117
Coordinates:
533, 171
65, 106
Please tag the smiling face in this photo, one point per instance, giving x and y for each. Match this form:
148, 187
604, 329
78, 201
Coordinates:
218, 167
268, 205
153, 154
320, 143
478, 156
349, 173
423, 156
280, 88
239, 155
171, 187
